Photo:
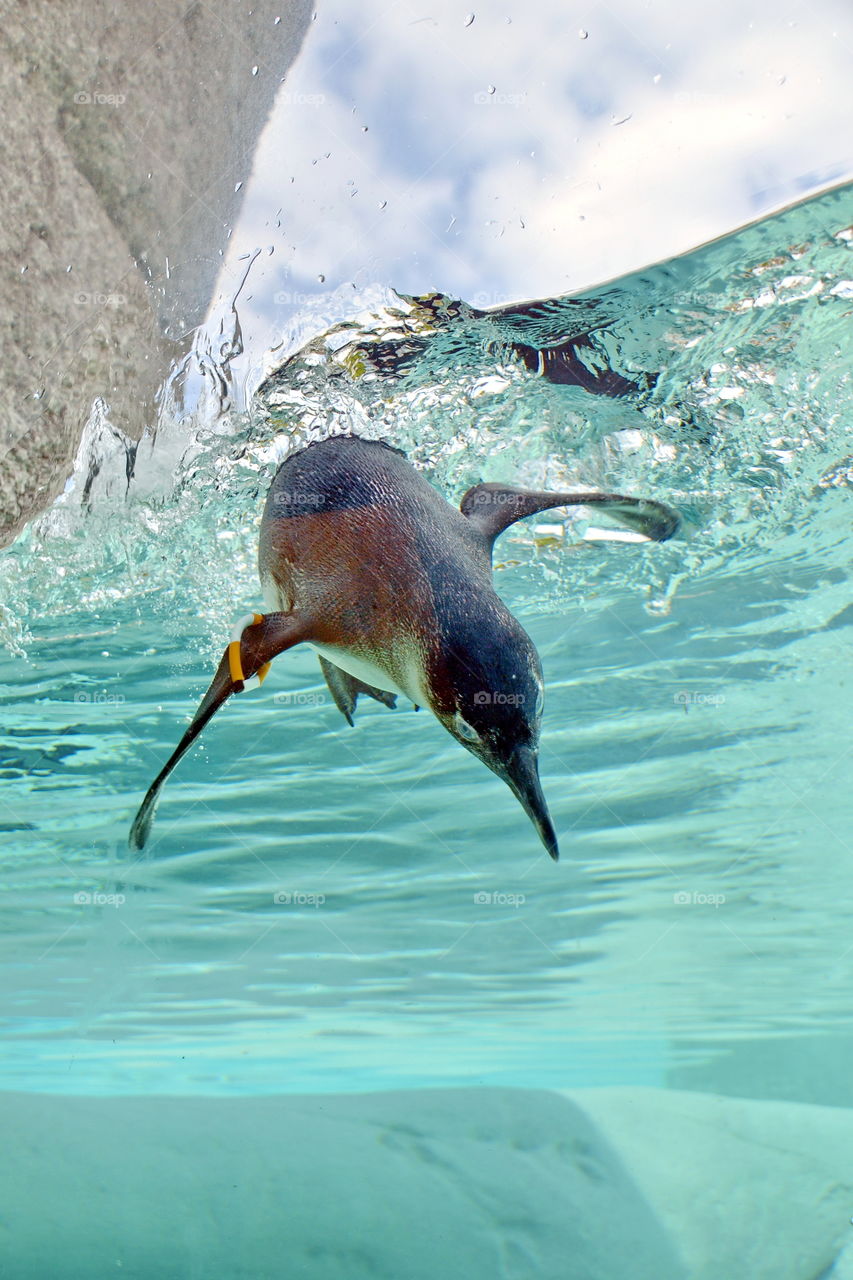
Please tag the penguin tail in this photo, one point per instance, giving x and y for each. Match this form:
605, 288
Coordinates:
257, 646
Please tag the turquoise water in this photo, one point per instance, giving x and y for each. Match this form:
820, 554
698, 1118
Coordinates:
309, 915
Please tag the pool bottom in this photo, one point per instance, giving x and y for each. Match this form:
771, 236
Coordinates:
588, 1185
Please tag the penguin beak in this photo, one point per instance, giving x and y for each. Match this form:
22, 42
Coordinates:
522, 775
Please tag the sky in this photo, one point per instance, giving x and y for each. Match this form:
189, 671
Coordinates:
501, 151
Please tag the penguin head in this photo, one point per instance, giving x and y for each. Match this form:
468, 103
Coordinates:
489, 696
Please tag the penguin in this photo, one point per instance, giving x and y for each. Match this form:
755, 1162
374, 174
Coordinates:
363, 559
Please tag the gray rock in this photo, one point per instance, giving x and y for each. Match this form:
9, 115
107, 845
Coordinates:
126, 128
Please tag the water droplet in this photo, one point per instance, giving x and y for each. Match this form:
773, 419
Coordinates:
615, 120
238, 186
382, 204
491, 88
276, 22
255, 70
23, 269
322, 279
469, 19
583, 35
69, 269
364, 128
656, 79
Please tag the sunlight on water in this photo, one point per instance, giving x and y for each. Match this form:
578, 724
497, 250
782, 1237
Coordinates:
345, 908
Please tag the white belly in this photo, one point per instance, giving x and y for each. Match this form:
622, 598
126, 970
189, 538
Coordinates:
361, 668
370, 674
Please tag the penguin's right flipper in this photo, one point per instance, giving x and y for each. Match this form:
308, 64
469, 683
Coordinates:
491, 508
345, 689
259, 644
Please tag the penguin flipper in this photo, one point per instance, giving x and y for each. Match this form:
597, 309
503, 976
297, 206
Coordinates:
259, 644
345, 689
491, 508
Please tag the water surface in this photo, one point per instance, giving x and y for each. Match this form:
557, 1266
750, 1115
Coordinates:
334, 908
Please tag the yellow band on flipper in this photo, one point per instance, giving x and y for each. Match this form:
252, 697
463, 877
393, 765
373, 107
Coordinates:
235, 661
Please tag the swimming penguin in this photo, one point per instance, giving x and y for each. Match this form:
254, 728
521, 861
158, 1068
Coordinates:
363, 559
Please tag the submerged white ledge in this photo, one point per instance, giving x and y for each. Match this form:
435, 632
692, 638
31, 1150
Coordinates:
602, 1184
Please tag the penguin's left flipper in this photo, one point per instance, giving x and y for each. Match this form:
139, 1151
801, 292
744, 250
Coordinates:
345, 689
491, 508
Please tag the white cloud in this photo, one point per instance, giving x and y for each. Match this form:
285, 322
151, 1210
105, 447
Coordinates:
532, 189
